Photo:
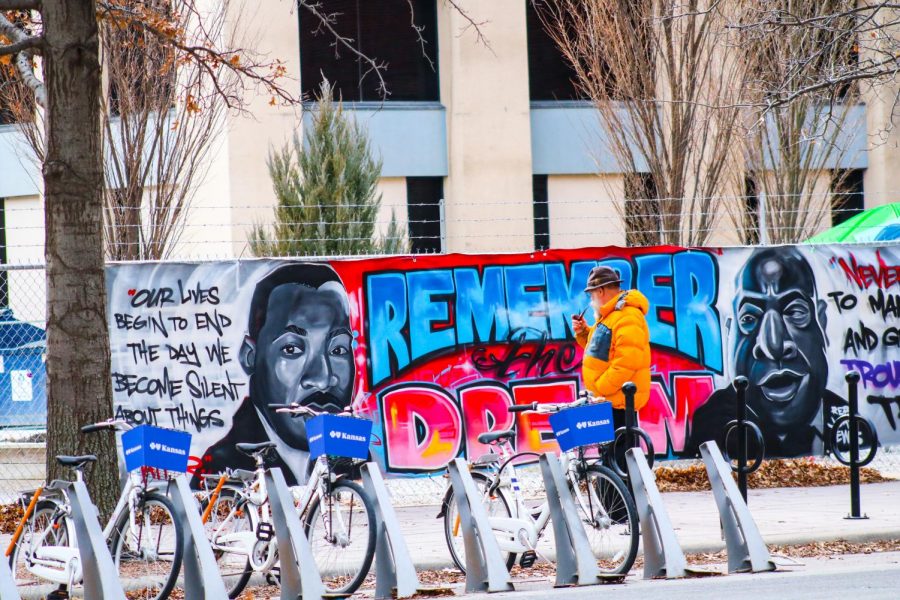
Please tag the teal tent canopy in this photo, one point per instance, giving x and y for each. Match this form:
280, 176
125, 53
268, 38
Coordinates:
879, 224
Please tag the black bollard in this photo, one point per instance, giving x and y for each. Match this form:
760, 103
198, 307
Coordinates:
853, 399
630, 389
740, 385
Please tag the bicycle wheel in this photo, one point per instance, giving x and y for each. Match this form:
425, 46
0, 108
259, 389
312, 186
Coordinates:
47, 527
341, 531
497, 506
148, 554
230, 526
611, 519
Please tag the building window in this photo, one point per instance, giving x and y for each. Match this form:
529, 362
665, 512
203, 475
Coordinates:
847, 198
550, 76
382, 31
541, 212
642, 220
423, 199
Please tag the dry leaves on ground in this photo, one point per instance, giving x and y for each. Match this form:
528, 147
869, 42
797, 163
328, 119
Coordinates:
794, 472
10, 515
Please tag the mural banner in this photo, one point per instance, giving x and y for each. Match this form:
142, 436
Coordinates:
433, 349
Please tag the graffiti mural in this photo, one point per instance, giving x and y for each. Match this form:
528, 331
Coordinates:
434, 348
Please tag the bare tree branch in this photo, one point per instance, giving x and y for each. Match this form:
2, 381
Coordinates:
205, 51
667, 93
870, 26
29, 43
326, 23
18, 37
418, 29
471, 23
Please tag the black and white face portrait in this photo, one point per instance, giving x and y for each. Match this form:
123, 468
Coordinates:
779, 338
302, 353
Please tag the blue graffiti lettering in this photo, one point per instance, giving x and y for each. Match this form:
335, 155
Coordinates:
429, 312
411, 315
565, 296
651, 268
697, 322
386, 294
526, 300
480, 302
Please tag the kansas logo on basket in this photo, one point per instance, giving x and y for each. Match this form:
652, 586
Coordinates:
342, 435
168, 449
586, 424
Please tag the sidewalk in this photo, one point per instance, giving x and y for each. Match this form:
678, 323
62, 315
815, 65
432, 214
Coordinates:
784, 516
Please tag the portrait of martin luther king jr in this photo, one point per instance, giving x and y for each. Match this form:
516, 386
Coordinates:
297, 349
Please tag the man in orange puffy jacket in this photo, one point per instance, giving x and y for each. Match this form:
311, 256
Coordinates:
617, 347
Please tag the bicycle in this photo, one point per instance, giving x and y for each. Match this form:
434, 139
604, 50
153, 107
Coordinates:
337, 516
143, 536
604, 502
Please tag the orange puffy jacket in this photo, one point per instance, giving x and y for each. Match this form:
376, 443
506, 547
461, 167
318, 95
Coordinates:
617, 350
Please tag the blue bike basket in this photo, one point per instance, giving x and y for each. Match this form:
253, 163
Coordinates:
583, 426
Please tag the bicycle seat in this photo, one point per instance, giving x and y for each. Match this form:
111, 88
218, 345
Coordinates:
496, 436
255, 449
76, 462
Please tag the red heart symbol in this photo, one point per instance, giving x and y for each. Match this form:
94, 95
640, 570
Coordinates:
132, 292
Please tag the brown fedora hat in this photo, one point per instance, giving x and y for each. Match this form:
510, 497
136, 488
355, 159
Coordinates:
601, 277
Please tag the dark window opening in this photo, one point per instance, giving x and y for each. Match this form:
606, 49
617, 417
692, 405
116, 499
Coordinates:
381, 31
550, 75
847, 195
423, 200
642, 219
541, 212
749, 226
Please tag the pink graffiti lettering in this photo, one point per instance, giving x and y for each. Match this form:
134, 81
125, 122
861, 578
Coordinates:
661, 422
535, 433
422, 428
484, 407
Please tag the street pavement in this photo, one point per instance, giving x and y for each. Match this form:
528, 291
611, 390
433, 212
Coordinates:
784, 516
869, 576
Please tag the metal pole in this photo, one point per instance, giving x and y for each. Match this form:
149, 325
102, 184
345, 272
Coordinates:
740, 385
763, 225
443, 216
629, 389
853, 398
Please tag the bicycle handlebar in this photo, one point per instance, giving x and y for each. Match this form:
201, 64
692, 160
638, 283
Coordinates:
114, 424
297, 410
551, 408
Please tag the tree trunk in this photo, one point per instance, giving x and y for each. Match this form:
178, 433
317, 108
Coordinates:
78, 361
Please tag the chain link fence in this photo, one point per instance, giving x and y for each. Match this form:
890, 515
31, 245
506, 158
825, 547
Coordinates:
23, 400
209, 233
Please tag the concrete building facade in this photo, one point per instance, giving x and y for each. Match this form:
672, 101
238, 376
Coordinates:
476, 156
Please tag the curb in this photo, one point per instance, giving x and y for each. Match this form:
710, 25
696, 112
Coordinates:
710, 548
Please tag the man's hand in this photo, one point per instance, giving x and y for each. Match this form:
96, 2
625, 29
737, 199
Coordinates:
579, 325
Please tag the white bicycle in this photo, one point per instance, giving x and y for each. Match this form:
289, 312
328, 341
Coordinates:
337, 515
143, 535
604, 502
